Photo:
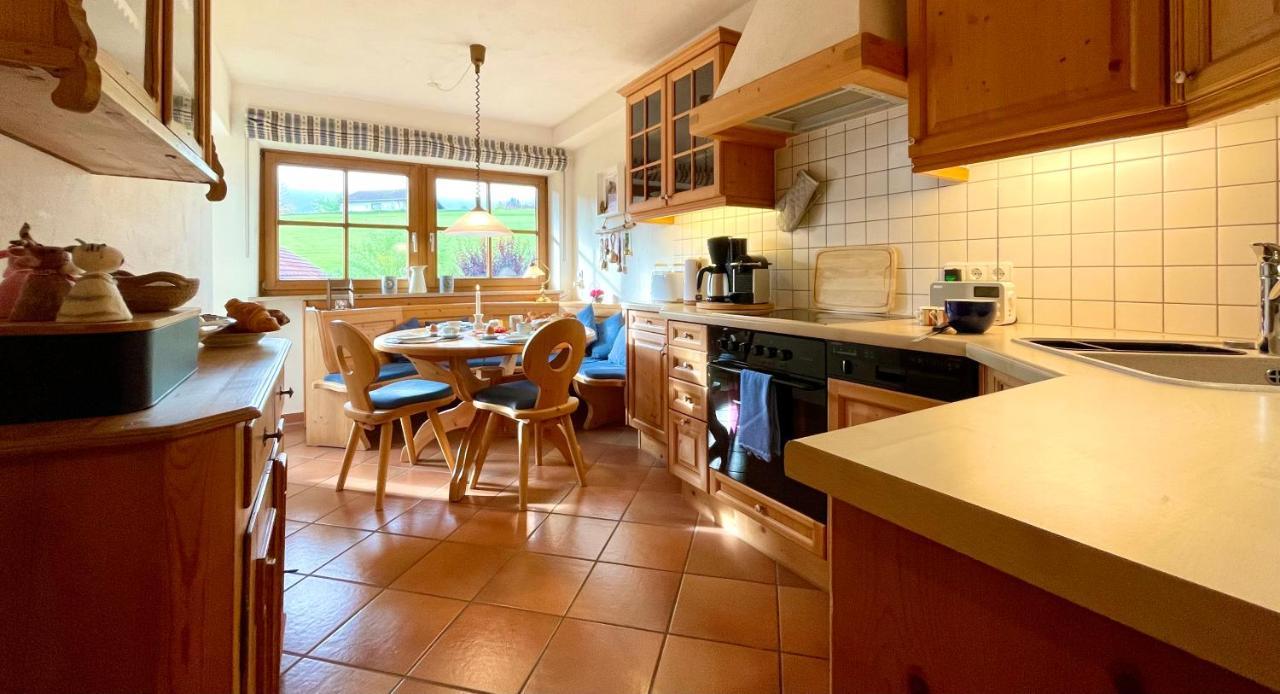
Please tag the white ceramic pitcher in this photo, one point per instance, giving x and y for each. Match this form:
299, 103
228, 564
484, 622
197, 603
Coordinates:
417, 279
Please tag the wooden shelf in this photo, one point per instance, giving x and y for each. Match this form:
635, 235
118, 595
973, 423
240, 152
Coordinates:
120, 137
140, 321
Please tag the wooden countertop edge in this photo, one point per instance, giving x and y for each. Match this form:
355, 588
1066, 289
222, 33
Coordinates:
1165, 607
139, 322
65, 435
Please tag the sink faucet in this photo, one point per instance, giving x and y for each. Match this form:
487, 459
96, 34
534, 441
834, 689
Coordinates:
1269, 295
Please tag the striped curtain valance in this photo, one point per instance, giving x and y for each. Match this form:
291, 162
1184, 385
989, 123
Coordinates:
303, 129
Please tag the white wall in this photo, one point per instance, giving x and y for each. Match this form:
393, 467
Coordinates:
158, 225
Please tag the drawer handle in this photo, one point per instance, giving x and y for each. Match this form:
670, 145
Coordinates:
687, 336
760, 509
278, 435
285, 392
685, 365
687, 399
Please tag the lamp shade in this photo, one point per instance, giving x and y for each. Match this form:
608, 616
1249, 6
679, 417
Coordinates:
478, 222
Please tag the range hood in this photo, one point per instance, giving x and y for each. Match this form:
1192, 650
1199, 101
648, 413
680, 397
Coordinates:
804, 65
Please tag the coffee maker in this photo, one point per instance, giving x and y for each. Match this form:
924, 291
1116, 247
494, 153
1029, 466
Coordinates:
749, 279
716, 274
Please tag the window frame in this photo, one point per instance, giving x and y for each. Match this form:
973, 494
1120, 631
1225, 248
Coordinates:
421, 223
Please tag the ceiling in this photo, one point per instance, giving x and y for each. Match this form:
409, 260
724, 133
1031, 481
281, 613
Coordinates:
546, 58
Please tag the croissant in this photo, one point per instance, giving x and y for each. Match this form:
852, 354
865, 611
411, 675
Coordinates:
251, 317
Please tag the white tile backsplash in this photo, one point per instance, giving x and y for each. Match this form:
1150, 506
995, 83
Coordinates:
1148, 233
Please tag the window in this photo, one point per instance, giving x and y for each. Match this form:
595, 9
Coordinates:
334, 218
515, 204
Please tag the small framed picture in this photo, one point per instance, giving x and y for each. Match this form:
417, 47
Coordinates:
608, 197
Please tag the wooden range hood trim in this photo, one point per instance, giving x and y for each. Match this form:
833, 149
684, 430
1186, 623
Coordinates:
863, 59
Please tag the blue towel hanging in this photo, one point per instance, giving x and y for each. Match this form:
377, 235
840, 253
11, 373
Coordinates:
757, 415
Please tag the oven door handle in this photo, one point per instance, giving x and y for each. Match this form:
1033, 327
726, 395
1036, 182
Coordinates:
776, 379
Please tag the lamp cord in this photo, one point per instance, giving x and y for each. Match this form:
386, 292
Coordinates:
477, 135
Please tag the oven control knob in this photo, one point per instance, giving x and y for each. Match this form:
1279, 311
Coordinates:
725, 344
787, 354
759, 350
846, 367
773, 352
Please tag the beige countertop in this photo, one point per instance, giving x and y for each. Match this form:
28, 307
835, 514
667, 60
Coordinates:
1154, 504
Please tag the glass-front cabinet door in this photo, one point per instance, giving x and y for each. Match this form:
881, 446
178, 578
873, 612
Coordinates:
184, 113
646, 137
693, 159
129, 44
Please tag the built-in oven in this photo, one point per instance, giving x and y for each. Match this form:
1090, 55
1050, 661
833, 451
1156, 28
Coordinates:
798, 371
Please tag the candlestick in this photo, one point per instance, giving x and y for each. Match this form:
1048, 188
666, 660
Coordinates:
478, 299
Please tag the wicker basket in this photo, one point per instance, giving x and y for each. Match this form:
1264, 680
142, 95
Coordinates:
156, 291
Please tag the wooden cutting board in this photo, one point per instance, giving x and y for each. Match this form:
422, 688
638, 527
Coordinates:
855, 278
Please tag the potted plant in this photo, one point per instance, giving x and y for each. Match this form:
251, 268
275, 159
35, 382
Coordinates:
597, 295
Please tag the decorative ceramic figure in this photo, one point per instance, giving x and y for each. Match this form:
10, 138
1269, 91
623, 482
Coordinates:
47, 284
95, 298
17, 270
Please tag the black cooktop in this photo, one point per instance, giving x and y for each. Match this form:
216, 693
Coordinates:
808, 315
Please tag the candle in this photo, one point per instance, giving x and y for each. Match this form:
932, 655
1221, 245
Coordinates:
478, 311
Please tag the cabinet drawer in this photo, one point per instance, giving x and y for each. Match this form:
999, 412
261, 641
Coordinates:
687, 398
687, 335
688, 365
262, 439
793, 525
647, 321
687, 449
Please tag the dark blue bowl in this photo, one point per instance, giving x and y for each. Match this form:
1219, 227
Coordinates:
970, 315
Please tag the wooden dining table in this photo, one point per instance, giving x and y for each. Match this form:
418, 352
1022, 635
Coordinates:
448, 361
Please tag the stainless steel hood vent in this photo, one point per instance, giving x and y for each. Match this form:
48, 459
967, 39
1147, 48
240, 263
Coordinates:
819, 112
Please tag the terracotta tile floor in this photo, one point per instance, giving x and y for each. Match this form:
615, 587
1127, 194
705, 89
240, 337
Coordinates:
617, 588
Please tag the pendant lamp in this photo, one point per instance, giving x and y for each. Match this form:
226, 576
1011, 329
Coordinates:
478, 222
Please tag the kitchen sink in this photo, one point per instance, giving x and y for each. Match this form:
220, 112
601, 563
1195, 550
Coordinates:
1147, 346
1186, 363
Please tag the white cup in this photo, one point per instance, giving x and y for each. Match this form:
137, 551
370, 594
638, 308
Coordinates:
450, 328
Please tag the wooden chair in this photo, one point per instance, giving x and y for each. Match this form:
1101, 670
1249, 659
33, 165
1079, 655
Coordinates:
539, 400
383, 407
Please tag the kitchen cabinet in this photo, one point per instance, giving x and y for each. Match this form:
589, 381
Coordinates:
850, 404
117, 88
670, 170
1230, 52
155, 561
647, 375
910, 615
687, 449
1004, 77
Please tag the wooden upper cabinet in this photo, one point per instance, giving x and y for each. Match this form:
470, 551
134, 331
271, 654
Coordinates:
646, 161
669, 170
1230, 53
1005, 77
115, 87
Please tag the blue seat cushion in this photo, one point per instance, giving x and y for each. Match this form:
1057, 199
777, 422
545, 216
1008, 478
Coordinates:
518, 395
388, 372
606, 334
490, 361
410, 392
602, 368
618, 353
587, 317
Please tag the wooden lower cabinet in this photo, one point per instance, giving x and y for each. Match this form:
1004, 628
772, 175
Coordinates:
263, 601
687, 449
911, 616
647, 374
132, 560
850, 404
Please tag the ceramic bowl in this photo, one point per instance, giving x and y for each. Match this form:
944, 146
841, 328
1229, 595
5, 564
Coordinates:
155, 291
971, 316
